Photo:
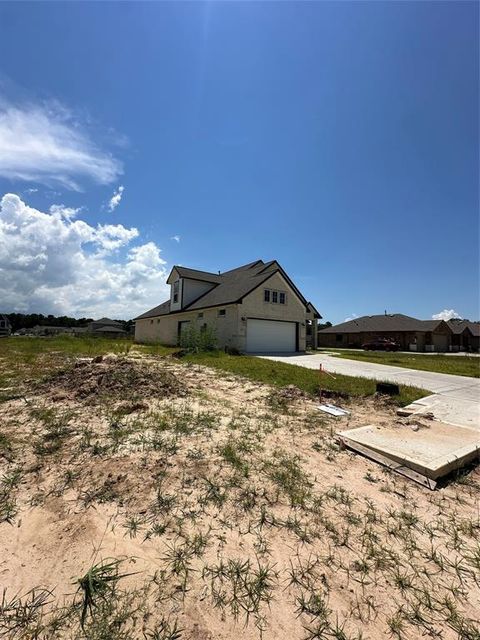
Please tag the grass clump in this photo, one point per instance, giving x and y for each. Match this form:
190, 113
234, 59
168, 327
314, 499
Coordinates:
99, 583
285, 471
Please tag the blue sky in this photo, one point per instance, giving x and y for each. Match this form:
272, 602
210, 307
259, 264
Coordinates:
340, 138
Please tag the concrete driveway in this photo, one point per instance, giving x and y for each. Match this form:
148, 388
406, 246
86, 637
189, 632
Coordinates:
455, 399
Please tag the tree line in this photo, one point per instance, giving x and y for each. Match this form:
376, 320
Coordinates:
30, 320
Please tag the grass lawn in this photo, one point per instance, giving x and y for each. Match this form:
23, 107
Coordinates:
25, 357
282, 374
22, 358
457, 365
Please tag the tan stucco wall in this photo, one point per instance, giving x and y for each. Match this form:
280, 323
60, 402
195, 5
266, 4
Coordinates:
164, 329
253, 306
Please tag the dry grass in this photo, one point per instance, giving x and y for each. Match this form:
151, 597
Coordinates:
226, 512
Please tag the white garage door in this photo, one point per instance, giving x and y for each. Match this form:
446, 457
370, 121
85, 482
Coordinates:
265, 336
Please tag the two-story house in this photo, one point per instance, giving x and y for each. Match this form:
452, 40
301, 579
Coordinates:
255, 308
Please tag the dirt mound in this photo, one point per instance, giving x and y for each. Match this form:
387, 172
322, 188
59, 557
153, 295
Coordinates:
115, 377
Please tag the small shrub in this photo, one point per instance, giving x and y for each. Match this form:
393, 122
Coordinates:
194, 340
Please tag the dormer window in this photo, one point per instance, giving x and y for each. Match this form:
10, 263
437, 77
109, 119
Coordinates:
175, 291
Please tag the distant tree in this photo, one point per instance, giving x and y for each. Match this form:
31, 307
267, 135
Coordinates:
29, 320
324, 325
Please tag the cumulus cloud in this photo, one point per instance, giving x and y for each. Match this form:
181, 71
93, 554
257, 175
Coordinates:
176, 238
115, 199
47, 145
54, 262
446, 314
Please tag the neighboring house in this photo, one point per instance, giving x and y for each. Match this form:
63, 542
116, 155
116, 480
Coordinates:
465, 335
5, 326
48, 330
410, 333
107, 327
255, 308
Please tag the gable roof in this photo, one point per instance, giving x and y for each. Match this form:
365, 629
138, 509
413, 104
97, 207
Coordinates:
459, 326
109, 329
390, 322
108, 321
230, 287
195, 274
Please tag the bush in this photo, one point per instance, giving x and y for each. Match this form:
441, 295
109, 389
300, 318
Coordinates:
193, 340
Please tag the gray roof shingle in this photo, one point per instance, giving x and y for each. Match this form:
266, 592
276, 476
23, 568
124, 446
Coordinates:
459, 326
390, 322
230, 286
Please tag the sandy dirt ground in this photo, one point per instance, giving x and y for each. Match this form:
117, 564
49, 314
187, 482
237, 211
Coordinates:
211, 507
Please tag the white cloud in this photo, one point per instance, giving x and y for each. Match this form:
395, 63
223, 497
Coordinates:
352, 317
446, 314
115, 199
47, 145
176, 238
56, 263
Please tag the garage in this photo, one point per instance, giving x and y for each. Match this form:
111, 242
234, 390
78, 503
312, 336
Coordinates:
264, 336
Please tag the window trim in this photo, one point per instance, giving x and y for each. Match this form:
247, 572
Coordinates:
280, 294
267, 294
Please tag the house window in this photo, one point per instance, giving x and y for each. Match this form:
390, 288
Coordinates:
274, 297
282, 298
151, 321
175, 291
158, 321
222, 312
339, 337
200, 315
266, 295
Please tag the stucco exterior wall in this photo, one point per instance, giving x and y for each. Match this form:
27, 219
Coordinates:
164, 329
254, 306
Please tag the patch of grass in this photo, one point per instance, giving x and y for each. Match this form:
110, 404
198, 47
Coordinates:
24, 357
282, 374
456, 365
287, 474
8, 503
231, 452
98, 584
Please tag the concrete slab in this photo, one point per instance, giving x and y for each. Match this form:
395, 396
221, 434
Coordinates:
433, 451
